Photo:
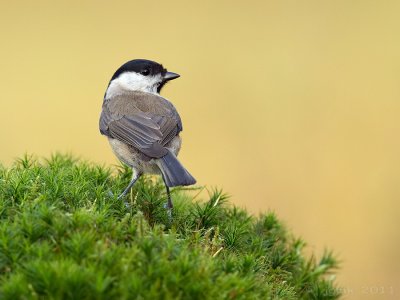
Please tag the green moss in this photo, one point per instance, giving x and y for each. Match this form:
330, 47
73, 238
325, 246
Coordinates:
62, 236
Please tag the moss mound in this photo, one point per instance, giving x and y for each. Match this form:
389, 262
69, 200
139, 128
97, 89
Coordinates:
63, 236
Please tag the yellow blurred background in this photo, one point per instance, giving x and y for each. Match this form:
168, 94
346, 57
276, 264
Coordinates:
292, 106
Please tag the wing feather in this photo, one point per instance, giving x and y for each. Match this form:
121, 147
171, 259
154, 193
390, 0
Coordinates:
147, 131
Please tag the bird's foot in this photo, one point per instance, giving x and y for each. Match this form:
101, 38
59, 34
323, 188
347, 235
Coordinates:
168, 207
127, 204
120, 197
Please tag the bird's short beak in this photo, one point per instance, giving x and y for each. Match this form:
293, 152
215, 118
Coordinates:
170, 76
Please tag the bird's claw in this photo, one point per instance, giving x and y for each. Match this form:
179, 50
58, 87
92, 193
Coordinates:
169, 211
120, 197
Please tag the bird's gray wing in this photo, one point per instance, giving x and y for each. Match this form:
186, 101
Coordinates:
147, 131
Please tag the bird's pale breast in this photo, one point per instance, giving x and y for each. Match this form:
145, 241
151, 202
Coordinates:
133, 158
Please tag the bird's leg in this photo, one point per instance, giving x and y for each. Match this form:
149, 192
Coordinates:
135, 177
169, 206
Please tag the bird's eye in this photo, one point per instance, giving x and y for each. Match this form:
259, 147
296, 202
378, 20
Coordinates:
145, 72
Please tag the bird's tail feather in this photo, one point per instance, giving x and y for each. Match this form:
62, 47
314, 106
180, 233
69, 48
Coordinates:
173, 172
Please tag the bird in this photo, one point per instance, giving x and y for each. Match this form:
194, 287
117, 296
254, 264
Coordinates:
142, 127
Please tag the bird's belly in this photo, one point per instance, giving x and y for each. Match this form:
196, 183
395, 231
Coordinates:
133, 158
175, 145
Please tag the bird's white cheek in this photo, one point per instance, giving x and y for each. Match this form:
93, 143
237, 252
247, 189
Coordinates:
133, 82
115, 88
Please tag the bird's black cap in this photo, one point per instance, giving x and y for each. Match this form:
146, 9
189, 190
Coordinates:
143, 66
